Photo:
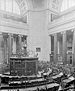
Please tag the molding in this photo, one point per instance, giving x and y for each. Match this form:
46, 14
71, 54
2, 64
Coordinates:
70, 10
14, 24
60, 24
65, 19
12, 30
62, 28
41, 10
10, 26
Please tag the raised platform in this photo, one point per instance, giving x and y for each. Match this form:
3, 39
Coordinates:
23, 66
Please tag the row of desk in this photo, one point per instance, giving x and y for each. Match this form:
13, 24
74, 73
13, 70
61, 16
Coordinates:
39, 88
46, 85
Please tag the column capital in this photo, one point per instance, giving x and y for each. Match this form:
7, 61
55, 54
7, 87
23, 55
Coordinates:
15, 35
11, 35
5, 35
55, 34
19, 35
1, 33
64, 32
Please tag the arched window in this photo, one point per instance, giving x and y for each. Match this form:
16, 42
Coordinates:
66, 4
9, 6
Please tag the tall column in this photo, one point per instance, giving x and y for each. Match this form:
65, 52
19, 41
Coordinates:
64, 52
5, 38
1, 53
60, 47
20, 46
10, 41
73, 49
51, 48
14, 44
50, 43
24, 45
36, 64
50, 51
55, 48
58, 43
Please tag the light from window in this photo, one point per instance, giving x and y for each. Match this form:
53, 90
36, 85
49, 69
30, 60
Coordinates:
9, 6
66, 4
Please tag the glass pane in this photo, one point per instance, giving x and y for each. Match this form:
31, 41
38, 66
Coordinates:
9, 5
2, 4
16, 8
66, 4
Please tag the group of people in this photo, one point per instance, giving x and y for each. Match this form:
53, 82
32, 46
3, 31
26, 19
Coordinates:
68, 71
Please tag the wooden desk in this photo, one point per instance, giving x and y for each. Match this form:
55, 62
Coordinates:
23, 66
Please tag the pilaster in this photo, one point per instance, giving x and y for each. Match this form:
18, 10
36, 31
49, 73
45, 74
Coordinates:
20, 43
10, 41
73, 48
64, 52
55, 48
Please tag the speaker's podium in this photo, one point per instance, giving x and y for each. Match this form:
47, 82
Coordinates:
23, 66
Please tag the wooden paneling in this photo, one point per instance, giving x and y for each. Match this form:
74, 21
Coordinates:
23, 66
